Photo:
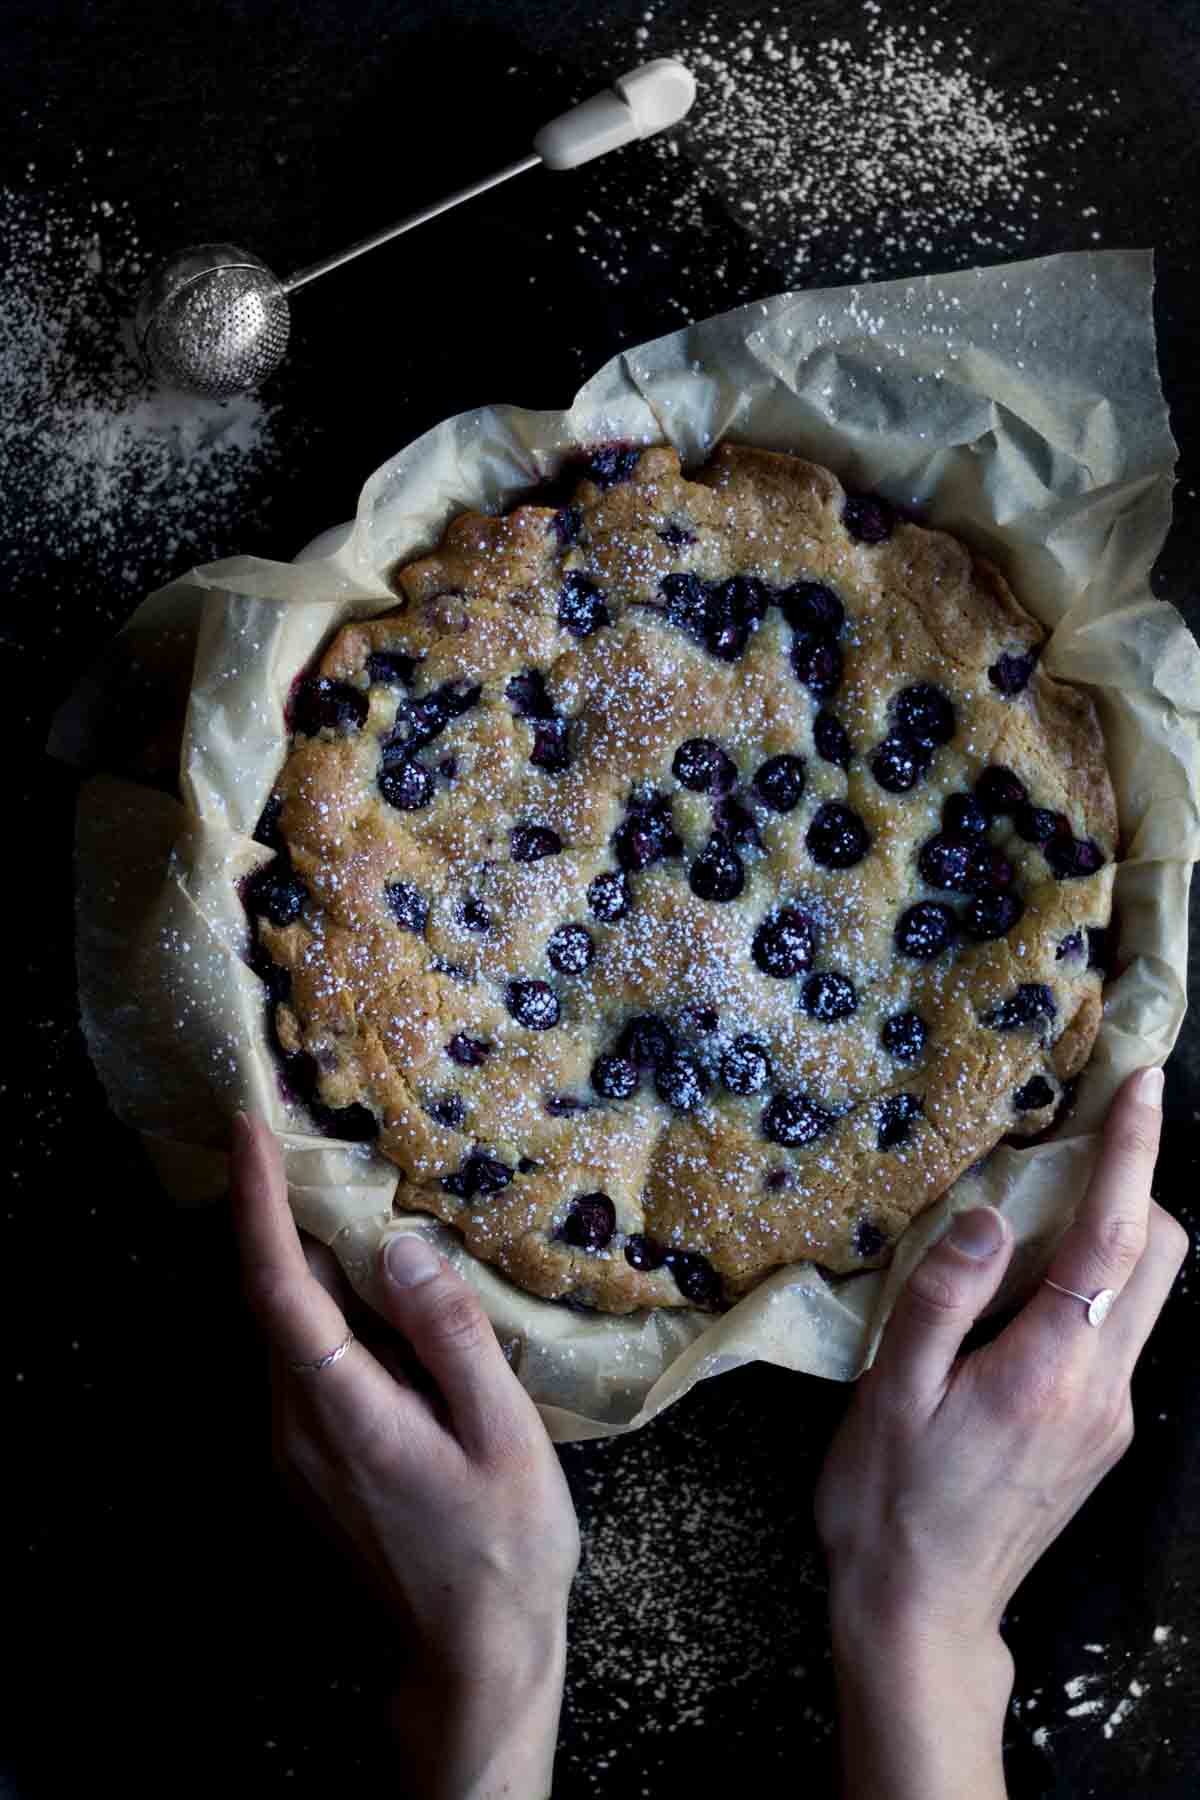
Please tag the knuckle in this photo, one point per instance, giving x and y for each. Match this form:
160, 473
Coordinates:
1175, 1239
933, 1294
1121, 1240
456, 1320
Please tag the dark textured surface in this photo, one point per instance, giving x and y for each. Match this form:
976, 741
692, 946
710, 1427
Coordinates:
173, 1625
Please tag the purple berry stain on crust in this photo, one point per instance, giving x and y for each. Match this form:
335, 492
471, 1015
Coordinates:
591, 1222
1102, 947
745, 1066
925, 930
571, 949
794, 1120
868, 1239
468, 1052
612, 464
1028, 1005
644, 1253
897, 1116
391, 668
1009, 675
718, 873
701, 765
582, 607
319, 704
608, 895
530, 843
614, 1077
837, 837
408, 905
1036, 1094
695, 1277
868, 518
533, 1004
831, 740
904, 1035
680, 1082
784, 944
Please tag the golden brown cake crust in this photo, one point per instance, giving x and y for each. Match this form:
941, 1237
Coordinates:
401, 907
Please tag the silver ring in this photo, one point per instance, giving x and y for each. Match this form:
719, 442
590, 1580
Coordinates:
1099, 1306
323, 1362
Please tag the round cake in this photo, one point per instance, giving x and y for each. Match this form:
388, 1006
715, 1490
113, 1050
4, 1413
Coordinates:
687, 879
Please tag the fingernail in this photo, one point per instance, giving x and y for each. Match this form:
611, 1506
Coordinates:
977, 1233
1149, 1088
408, 1260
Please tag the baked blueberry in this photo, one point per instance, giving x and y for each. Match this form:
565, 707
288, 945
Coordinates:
733, 609
356, 1123
407, 904
467, 1051
591, 1222
999, 791
608, 895
793, 1119
526, 694
582, 607
676, 535
643, 1252
323, 705
779, 782
1070, 857
1037, 824
559, 1105
530, 843
812, 607
988, 871
717, 873
615, 1077
277, 892
945, 862
897, 1115
745, 1066
829, 996
551, 750
903, 1036
817, 664
407, 784
571, 950
1030, 1003
647, 1041
925, 930
868, 1239
1036, 1093
267, 830
897, 763
275, 978
695, 1276
700, 1018
1102, 947
612, 464
567, 524
478, 1174
1010, 674
731, 820
868, 518
963, 816
831, 741
686, 600
475, 915
647, 835
679, 1081
701, 765
837, 837
533, 1004
1070, 946
448, 1111
784, 943
924, 715
391, 668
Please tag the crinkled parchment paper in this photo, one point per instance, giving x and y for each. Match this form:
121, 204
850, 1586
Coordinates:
1017, 406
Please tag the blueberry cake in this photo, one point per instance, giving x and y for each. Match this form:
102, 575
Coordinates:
687, 879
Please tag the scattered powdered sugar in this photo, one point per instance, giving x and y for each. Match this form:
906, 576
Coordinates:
110, 485
1106, 1695
854, 155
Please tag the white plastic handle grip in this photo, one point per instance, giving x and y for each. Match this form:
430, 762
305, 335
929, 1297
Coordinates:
637, 105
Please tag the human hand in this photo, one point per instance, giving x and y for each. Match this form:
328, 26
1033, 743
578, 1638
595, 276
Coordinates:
947, 1479
433, 1470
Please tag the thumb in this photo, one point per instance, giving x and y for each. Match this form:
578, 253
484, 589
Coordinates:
441, 1317
941, 1300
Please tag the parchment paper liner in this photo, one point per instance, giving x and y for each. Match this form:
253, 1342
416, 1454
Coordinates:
1018, 406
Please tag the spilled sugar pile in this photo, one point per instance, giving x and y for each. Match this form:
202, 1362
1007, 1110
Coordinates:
854, 156
105, 481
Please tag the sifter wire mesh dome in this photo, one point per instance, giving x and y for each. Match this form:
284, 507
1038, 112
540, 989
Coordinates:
214, 322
